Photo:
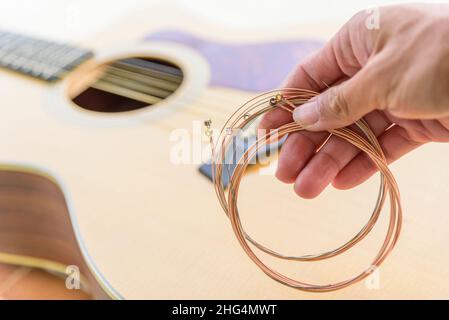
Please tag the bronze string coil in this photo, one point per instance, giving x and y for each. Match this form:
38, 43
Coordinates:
288, 99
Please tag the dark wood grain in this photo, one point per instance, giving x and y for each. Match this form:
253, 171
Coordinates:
34, 221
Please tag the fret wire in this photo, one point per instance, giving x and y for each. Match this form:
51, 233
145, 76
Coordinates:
38, 58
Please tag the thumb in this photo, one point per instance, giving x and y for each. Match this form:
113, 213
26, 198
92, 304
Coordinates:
340, 105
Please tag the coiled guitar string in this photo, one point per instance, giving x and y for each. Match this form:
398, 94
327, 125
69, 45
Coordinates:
288, 99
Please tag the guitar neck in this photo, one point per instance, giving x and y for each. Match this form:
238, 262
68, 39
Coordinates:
42, 59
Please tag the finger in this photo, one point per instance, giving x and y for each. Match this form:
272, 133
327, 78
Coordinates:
319, 70
395, 143
296, 152
343, 104
331, 158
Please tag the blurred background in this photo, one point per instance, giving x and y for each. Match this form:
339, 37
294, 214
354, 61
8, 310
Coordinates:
76, 20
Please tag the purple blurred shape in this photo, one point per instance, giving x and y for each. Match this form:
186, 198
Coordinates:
251, 67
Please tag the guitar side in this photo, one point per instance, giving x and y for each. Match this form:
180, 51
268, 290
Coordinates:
37, 230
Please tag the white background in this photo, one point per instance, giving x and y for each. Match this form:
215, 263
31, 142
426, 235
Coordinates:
72, 20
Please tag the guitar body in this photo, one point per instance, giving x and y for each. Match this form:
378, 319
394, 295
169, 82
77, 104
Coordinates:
101, 191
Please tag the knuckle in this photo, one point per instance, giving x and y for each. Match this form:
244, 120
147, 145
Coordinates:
335, 104
359, 16
414, 135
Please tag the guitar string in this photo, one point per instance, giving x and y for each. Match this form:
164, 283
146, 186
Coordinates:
141, 90
287, 100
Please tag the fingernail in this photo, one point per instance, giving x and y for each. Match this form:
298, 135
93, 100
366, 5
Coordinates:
306, 115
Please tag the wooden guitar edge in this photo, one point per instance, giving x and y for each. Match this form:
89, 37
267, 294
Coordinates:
37, 230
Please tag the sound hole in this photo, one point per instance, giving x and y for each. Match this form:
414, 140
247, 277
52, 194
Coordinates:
128, 84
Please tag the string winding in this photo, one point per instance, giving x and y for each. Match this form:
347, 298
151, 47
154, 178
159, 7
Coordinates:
288, 99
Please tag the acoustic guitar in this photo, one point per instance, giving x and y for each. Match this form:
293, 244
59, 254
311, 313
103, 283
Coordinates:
92, 175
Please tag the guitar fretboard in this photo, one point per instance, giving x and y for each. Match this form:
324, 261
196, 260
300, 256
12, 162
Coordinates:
46, 60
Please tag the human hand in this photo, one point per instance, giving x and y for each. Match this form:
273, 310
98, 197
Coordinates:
396, 77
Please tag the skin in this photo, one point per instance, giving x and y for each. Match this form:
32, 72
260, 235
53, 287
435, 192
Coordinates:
395, 76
